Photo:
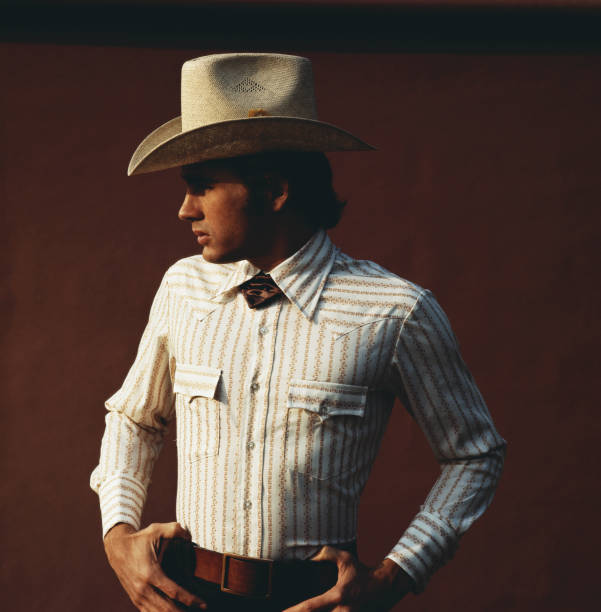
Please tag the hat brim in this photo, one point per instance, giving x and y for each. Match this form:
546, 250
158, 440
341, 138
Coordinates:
169, 147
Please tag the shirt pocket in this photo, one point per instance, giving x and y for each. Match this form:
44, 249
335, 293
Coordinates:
198, 410
325, 427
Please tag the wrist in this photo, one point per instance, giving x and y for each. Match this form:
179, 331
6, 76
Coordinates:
393, 578
118, 530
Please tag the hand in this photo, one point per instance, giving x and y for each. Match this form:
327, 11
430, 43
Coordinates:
359, 588
135, 558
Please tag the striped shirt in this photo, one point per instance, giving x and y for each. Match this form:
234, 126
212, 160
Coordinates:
280, 410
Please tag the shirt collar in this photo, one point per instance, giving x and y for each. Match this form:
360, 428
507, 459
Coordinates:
301, 277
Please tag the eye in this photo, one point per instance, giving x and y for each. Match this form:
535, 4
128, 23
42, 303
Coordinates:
197, 186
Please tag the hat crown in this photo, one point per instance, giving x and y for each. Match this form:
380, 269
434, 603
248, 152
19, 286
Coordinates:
232, 86
237, 104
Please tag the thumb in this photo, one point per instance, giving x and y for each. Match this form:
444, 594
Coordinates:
166, 532
327, 553
174, 530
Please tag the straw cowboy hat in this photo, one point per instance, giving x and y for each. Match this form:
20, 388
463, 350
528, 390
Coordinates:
241, 103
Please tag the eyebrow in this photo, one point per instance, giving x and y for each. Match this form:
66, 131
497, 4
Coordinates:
192, 176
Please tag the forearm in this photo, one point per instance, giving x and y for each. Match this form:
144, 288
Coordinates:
459, 496
465, 488
122, 477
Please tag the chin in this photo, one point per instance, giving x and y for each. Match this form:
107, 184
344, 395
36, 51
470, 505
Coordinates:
210, 257
219, 258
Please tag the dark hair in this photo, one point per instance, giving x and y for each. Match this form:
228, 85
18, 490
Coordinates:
309, 176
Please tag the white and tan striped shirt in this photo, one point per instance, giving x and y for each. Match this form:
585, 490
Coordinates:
280, 410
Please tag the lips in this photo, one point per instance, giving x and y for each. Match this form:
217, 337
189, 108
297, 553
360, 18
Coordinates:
201, 237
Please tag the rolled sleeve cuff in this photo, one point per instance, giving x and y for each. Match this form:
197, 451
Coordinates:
121, 501
428, 543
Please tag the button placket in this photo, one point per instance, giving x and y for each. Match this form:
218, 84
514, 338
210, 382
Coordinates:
258, 385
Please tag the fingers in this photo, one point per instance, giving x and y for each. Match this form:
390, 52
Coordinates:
333, 598
175, 591
343, 559
169, 530
343, 593
151, 601
322, 603
159, 594
135, 558
161, 532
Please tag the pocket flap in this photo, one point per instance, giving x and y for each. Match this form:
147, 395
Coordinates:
196, 380
327, 398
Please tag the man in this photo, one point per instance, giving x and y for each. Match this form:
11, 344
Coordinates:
281, 358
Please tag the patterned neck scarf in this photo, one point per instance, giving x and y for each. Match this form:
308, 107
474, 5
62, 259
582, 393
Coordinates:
259, 290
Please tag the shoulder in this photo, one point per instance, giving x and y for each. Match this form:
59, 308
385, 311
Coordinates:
195, 277
370, 285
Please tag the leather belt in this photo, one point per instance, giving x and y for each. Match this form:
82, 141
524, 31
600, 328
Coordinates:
261, 578
235, 574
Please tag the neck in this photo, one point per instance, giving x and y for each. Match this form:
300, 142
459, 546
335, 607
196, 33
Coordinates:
281, 246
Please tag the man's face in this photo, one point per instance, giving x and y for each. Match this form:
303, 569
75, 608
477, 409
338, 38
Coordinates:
217, 205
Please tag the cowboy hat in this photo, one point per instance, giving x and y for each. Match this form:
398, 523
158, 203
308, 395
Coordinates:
237, 104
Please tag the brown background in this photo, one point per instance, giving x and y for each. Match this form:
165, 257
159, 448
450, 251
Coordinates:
485, 189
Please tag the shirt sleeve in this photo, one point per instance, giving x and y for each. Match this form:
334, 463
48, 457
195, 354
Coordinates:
438, 390
137, 419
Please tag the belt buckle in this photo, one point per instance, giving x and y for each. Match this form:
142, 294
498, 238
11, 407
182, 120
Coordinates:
225, 569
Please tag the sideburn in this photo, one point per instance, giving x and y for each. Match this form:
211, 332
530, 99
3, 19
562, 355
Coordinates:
260, 198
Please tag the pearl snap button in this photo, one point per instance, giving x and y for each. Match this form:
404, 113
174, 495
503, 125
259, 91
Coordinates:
254, 386
263, 330
250, 445
247, 504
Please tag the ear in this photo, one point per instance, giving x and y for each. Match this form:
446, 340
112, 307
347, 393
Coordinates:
280, 195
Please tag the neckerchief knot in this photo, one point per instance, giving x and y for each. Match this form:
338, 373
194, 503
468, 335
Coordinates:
259, 290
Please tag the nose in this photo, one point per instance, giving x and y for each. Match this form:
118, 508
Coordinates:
190, 209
